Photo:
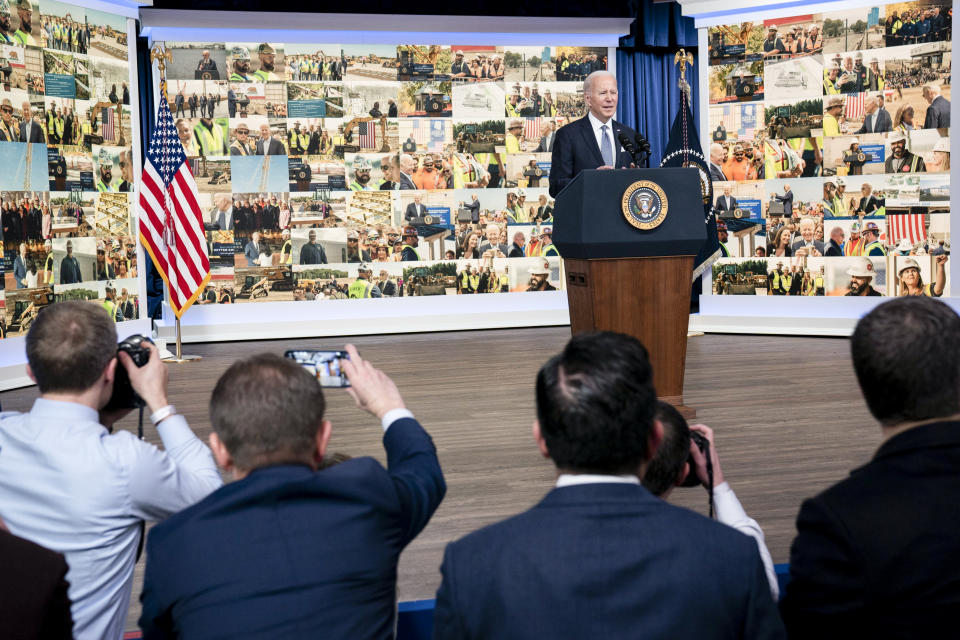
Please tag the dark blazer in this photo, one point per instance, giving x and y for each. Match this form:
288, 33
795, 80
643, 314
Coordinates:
406, 183
575, 149
411, 212
883, 122
938, 114
604, 561
721, 204
33, 591
817, 244
716, 173
36, 132
787, 200
877, 555
275, 148
288, 552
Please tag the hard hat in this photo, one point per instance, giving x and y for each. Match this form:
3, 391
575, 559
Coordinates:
721, 226
855, 227
546, 231
874, 61
543, 269
459, 52
871, 226
836, 101
352, 235
896, 136
104, 158
409, 231
521, 193
858, 56
266, 48
240, 53
515, 124
908, 264
841, 183
833, 66
360, 164
862, 268
25, 4
364, 267
905, 245
5, 8
943, 144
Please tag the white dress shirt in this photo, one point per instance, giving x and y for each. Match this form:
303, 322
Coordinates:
730, 512
573, 479
596, 123
69, 485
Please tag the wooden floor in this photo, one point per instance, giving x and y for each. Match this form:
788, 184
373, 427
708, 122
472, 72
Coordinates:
788, 414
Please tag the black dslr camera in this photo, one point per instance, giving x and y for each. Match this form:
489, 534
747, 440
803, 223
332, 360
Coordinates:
704, 445
124, 397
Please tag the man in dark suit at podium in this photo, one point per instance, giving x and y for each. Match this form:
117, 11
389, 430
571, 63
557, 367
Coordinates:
592, 142
726, 202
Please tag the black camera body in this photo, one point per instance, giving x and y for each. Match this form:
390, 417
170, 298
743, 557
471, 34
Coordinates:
704, 445
124, 397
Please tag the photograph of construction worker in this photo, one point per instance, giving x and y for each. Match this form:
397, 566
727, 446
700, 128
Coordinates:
477, 63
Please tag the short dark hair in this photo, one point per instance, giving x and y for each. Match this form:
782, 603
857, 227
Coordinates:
69, 346
595, 404
906, 354
267, 410
672, 454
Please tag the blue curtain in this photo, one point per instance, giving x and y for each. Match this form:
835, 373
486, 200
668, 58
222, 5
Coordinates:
647, 76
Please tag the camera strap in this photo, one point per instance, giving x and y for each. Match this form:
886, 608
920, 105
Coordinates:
143, 523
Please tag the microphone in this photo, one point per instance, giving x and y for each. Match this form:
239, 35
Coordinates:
643, 146
626, 144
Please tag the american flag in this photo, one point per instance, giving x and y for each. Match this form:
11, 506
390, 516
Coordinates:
171, 223
107, 127
367, 135
854, 108
531, 128
421, 132
906, 225
729, 119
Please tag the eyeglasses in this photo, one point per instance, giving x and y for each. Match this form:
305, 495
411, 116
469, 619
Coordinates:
6, 109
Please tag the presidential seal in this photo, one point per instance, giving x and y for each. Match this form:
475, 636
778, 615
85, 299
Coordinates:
644, 205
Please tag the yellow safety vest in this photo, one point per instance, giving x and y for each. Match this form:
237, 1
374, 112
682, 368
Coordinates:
211, 142
111, 309
359, 289
513, 145
475, 282
48, 267
406, 246
287, 250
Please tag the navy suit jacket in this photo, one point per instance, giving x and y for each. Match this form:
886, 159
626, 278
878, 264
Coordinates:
575, 149
605, 561
877, 555
288, 552
938, 114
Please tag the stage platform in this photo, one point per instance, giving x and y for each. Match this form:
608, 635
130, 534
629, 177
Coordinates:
788, 414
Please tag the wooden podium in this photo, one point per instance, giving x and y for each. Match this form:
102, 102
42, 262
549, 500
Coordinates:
624, 279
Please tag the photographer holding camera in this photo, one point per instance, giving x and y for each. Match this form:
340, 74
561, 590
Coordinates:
687, 457
71, 485
291, 549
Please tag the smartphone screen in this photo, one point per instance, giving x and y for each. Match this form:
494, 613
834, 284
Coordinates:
325, 366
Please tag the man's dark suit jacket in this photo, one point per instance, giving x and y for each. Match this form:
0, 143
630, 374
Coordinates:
883, 122
721, 204
575, 149
938, 114
412, 213
288, 552
604, 561
877, 555
36, 133
787, 200
275, 148
33, 591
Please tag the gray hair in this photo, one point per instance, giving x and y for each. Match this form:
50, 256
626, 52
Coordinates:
596, 74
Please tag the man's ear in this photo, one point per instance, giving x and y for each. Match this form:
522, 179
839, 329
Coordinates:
323, 438
220, 453
654, 439
682, 476
538, 438
30, 374
110, 372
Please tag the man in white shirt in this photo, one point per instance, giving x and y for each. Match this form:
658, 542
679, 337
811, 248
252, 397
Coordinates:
671, 468
70, 485
599, 556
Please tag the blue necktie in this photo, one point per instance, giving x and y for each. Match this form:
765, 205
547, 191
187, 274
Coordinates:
606, 147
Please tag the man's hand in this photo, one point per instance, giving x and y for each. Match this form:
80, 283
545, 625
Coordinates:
370, 388
606, 166
700, 461
150, 380
941, 259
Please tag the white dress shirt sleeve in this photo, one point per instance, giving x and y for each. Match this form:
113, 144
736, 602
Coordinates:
392, 416
163, 482
730, 512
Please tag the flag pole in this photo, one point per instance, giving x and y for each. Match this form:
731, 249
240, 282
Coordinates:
162, 57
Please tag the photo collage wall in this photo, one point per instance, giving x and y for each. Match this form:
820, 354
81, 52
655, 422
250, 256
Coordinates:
331, 171
66, 201
830, 152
